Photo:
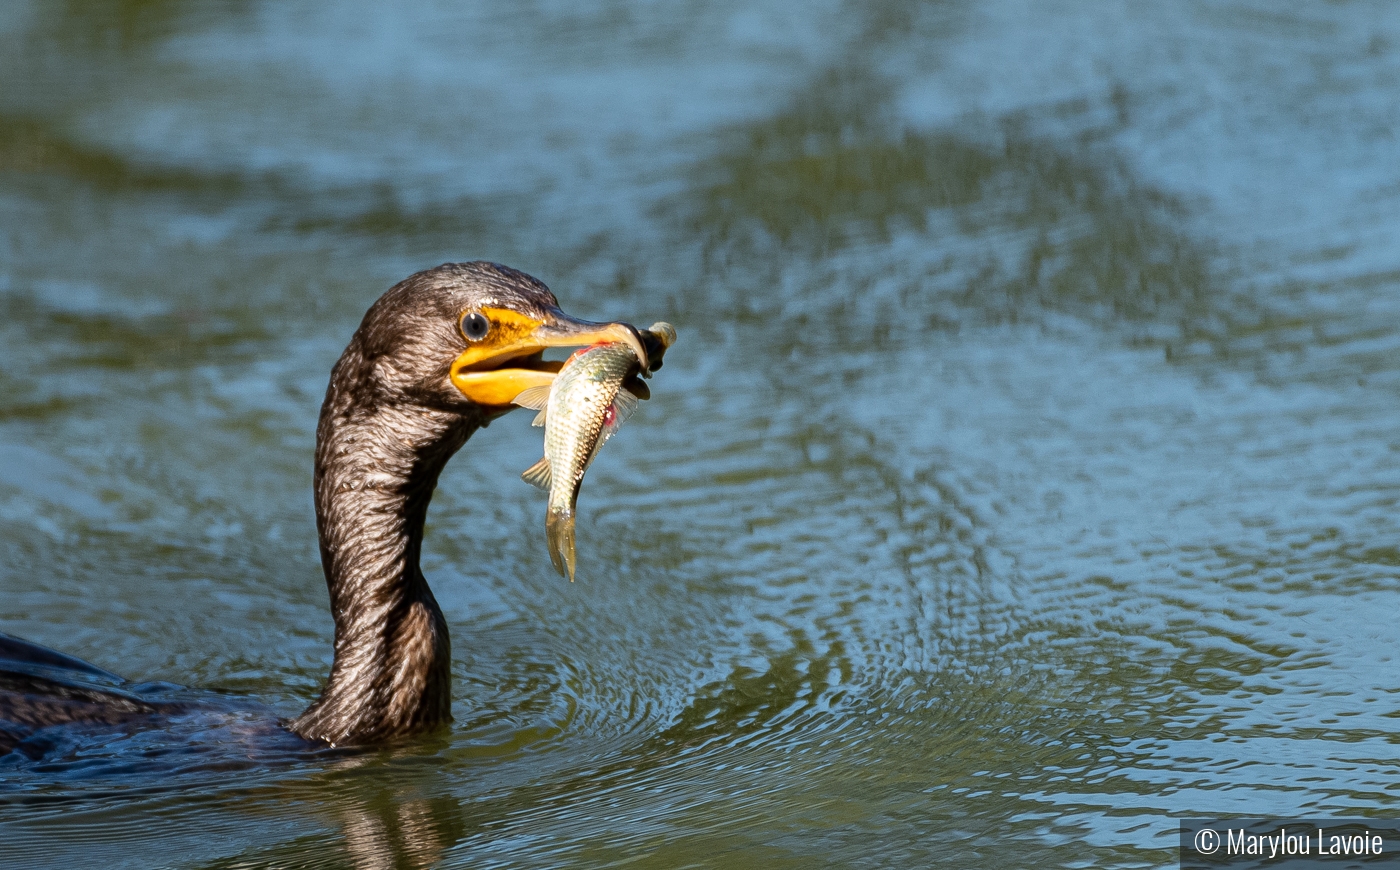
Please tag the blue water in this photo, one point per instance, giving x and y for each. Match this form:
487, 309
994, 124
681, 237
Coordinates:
1024, 478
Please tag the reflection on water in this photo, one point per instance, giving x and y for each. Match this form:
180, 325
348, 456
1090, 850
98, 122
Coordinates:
1025, 475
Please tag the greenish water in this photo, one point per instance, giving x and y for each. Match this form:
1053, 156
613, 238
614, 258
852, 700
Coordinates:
1025, 476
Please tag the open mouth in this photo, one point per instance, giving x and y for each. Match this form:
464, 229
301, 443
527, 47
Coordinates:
508, 356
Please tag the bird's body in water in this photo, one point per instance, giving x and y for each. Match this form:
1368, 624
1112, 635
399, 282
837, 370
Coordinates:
584, 406
438, 356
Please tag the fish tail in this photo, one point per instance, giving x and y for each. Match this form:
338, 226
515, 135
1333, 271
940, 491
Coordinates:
559, 529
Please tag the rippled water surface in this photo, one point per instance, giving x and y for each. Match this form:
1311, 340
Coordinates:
1025, 476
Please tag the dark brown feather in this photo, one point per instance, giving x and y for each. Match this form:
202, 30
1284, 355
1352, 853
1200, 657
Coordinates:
390, 422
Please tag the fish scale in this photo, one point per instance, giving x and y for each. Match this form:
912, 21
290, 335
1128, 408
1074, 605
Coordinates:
586, 404
580, 410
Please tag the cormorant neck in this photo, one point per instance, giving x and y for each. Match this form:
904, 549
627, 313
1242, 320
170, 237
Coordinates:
376, 468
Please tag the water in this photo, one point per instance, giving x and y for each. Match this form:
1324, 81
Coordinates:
1025, 476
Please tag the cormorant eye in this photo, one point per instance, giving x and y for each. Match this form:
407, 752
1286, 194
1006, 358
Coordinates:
475, 325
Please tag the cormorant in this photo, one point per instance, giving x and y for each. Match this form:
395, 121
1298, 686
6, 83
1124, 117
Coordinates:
439, 355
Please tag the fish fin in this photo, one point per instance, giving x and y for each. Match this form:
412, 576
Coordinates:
539, 474
626, 405
540, 417
534, 398
559, 530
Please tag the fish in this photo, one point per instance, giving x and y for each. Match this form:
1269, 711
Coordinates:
580, 410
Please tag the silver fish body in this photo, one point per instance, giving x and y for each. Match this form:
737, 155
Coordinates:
585, 405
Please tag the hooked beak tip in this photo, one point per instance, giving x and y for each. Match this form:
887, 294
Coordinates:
564, 331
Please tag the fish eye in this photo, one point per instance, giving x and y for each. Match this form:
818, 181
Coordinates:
475, 325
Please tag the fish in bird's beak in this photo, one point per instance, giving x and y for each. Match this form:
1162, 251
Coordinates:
587, 403
504, 348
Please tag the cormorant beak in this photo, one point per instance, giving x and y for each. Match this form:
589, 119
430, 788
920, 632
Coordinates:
507, 360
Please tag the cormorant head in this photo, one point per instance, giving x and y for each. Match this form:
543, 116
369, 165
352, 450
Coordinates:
472, 335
